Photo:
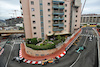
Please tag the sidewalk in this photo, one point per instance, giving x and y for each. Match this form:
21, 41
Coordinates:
57, 53
98, 32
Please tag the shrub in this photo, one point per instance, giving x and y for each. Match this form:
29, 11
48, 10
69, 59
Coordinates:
56, 42
98, 26
28, 41
41, 44
44, 47
39, 40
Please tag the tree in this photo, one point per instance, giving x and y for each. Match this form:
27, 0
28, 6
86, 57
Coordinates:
58, 37
53, 35
98, 26
34, 41
63, 39
21, 28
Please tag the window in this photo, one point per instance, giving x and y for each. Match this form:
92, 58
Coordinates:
75, 20
48, 15
33, 15
65, 15
65, 10
65, 25
42, 34
75, 25
49, 31
32, 2
42, 30
66, 5
49, 26
42, 24
48, 4
33, 21
40, 3
65, 20
32, 9
34, 27
49, 21
76, 11
49, 10
76, 15
34, 33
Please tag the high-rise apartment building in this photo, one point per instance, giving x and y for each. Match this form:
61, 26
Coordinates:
43, 18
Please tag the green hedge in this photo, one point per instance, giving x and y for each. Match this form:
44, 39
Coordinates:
42, 47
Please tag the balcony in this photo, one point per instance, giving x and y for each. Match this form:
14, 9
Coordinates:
55, 18
59, 24
58, 1
58, 29
58, 13
58, 6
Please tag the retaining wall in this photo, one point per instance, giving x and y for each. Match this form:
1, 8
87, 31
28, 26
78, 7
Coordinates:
32, 52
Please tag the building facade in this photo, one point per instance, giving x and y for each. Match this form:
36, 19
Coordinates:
90, 19
14, 21
43, 18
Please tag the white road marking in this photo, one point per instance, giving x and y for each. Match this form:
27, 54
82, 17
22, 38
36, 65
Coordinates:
9, 55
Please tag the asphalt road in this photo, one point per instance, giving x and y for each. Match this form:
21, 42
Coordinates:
89, 55
87, 59
4, 56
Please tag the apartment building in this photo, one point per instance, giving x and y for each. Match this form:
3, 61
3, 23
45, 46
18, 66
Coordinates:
90, 19
14, 21
43, 18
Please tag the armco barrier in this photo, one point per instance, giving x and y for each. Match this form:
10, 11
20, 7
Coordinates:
76, 34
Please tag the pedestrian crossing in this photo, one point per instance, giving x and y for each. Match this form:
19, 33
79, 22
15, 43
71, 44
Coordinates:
88, 35
17, 41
